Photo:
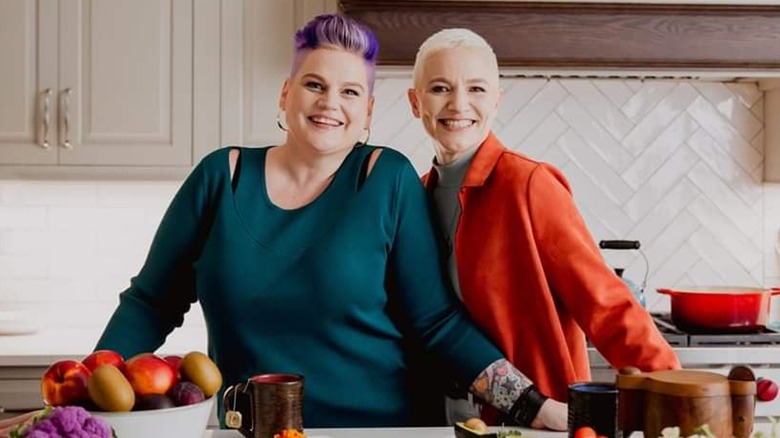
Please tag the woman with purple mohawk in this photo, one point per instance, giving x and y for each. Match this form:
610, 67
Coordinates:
316, 256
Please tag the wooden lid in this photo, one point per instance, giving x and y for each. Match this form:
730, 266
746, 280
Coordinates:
688, 383
740, 387
630, 381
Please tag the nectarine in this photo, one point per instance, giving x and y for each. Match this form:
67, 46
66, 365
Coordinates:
65, 383
150, 374
103, 357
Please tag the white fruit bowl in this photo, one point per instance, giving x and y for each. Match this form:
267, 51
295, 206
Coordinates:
183, 421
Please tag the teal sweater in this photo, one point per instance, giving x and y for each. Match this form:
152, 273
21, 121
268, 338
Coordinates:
340, 290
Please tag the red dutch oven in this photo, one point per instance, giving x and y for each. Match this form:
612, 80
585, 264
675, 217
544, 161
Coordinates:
720, 309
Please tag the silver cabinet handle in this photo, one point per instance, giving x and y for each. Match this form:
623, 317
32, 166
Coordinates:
65, 101
45, 119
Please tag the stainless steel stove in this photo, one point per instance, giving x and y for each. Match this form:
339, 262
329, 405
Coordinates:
677, 337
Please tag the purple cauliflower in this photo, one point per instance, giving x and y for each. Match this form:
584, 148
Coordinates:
68, 422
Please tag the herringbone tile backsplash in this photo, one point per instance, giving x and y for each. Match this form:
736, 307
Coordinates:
674, 164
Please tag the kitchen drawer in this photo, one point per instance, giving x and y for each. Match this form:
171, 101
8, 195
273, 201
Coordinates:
20, 388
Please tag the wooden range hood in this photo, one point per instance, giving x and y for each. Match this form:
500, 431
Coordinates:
585, 35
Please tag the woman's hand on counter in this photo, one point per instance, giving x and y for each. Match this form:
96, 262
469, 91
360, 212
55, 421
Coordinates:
553, 415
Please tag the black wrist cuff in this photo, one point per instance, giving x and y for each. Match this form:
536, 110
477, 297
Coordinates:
527, 406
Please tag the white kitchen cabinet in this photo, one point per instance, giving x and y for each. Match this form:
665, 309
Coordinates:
96, 83
139, 88
20, 389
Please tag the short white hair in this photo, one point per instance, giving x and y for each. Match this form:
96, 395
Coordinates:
450, 39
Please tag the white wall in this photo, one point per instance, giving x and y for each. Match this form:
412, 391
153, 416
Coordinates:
674, 164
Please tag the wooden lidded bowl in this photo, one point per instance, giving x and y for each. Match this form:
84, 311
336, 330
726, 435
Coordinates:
686, 399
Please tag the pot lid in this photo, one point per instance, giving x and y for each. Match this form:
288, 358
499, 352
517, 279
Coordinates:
724, 290
688, 383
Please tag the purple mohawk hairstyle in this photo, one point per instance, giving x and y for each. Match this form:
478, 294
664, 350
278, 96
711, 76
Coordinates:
338, 31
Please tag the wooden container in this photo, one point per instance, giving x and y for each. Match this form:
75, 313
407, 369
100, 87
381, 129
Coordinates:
743, 386
686, 399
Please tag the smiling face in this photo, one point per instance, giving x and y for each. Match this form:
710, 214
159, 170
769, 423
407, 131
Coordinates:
327, 102
456, 96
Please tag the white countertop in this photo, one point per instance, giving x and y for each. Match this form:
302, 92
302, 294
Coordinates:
713, 356
412, 432
48, 346
428, 432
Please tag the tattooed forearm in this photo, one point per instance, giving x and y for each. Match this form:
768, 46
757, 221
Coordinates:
500, 384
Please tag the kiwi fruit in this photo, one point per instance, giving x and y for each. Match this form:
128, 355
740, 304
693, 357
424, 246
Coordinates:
199, 369
109, 389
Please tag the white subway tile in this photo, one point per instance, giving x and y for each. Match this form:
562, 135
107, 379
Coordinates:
541, 139
739, 181
519, 95
662, 248
75, 267
22, 266
618, 92
119, 219
654, 224
601, 207
711, 250
652, 157
59, 193
600, 171
674, 268
389, 93
35, 290
528, 116
73, 218
136, 193
72, 243
609, 116
725, 135
731, 107
27, 242
745, 250
647, 95
395, 123
77, 314
64, 290
658, 119
11, 192
725, 200
21, 217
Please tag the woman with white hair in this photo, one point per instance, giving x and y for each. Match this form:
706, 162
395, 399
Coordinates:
520, 256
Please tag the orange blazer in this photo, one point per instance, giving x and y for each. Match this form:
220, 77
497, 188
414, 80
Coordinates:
534, 279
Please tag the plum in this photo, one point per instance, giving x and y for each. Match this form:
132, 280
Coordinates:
153, 401
186, 393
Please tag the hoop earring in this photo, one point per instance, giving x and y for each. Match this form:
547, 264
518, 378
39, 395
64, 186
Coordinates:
368, 136
279, 121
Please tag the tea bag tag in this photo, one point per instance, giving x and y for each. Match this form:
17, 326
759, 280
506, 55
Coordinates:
233, 419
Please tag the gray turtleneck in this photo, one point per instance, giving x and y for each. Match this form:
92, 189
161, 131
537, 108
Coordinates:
445, 195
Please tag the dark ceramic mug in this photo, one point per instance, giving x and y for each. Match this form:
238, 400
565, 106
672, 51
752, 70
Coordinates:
265, 405
593, 404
